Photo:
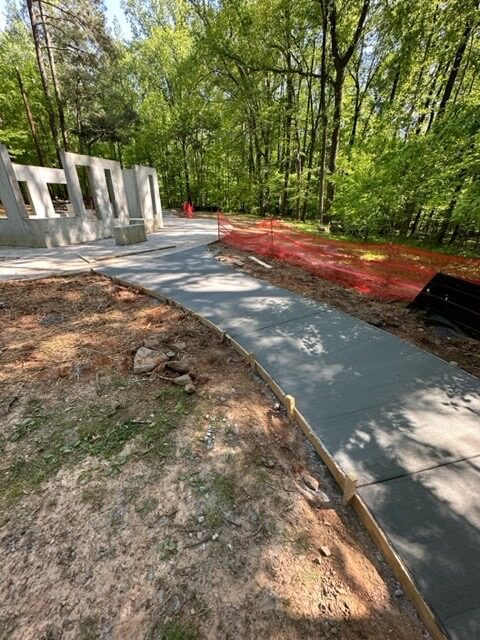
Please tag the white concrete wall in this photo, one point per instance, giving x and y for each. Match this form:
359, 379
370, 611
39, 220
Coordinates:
98, 186
37, 179
135, 189
143, 195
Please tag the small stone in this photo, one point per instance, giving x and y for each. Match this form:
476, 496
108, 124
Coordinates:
147, 360
178, 346
318, 560
190, 388
453, 363
399, 593
222, 399
171, 354
200, 519
199, 535
325, 551
215, 536
153, 343
268, 462
202, 378
181, 366
175, 604
183, 381
311, 482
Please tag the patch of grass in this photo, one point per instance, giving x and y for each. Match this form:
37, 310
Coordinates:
302, 541
175, 630
167, 548
32, 420
88, 629
95, 496
102, 432
146, 506
224, 487
214, 517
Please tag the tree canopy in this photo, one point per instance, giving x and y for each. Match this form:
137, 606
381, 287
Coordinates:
366, 112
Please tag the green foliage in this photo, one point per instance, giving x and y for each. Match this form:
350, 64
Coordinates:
225, 100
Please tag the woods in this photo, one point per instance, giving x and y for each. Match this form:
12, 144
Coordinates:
365, 112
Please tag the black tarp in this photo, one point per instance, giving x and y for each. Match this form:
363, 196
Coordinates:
452, 298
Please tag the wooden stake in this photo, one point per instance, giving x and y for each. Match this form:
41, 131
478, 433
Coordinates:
349, 488
290, 404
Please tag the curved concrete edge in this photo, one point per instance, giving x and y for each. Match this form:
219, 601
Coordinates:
374, 529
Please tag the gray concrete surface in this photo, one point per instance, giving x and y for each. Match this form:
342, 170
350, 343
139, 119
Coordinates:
21, 262
406, 423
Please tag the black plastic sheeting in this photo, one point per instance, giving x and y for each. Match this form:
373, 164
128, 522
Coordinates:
452, 298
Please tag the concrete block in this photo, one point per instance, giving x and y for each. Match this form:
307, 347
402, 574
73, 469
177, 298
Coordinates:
129, 234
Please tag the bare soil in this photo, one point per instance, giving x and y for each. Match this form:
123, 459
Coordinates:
391, 316
130, 509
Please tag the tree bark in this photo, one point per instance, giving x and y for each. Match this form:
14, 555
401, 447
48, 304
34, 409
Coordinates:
340, 61
55, 82
44, 78
457, 61
323, 112
31, 121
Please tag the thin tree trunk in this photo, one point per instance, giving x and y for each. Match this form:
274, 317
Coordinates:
31, 121
457, 61
340, 62
324, 116
55, 82
44, 78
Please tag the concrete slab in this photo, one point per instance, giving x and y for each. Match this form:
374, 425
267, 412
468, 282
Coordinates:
432, 519
382, 407
21, 262
235, 302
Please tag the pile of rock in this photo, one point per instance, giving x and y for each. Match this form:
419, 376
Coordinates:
154, 356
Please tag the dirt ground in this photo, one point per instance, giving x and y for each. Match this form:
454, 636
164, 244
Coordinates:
131, 509
391, 316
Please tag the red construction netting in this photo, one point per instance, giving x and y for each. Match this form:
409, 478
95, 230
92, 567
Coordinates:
387, 271
188, 209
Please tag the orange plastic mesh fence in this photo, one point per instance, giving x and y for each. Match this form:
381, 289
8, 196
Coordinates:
386, 271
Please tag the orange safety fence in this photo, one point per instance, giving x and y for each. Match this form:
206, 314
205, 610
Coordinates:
386, 271
188, 209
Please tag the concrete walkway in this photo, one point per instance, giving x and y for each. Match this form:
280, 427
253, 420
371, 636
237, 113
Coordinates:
404, 422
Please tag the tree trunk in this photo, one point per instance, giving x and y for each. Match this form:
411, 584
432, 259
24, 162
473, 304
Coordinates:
324, 117
340, 61
44, 78
188, 189
31, 121
55, 82
335, 139
457, 61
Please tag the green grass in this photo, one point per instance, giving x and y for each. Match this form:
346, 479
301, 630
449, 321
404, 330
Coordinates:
175, 630
88, 629
101, 432
166, 549
224, 487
